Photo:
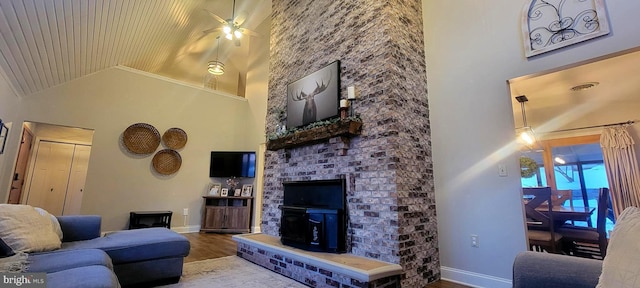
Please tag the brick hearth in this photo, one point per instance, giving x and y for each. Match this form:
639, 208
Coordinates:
317, 269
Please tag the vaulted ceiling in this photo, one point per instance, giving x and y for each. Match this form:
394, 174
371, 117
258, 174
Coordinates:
44, 43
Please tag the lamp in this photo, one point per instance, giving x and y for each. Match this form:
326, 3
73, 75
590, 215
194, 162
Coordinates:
525, 133
216, 67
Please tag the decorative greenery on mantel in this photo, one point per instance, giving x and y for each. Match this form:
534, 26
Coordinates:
315, 132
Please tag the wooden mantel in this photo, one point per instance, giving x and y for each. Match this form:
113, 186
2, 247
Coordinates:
342, 128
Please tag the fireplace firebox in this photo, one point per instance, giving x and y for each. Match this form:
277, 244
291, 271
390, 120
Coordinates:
314, 215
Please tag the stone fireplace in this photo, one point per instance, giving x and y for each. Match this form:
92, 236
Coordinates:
387, 169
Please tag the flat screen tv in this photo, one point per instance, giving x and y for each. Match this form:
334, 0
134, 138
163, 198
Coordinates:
232, 164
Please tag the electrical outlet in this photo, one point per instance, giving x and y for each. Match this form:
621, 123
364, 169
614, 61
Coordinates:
502, 170
474, 241
185, 212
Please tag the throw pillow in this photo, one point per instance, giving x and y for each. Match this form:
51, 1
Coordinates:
620, 267
5, 250
54, 221
25, 230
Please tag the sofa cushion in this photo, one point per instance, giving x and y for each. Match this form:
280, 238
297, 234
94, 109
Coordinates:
136, 245
62, 260
620, 267
54, 221
95, 276
24, 229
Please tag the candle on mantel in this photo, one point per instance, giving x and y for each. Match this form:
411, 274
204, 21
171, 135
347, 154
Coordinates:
344, 103
351, 93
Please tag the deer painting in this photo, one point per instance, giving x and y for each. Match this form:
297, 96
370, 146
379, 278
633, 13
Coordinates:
309, 113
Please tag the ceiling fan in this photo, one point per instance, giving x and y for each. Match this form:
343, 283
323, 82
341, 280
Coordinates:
231, 27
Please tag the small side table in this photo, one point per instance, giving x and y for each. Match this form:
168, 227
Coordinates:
146, 219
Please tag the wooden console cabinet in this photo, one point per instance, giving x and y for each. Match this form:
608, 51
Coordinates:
226, 214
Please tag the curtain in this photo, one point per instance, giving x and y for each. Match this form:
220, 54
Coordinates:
622, 168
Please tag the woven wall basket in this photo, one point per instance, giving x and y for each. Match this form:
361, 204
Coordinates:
167, 161
141, 138
174, 138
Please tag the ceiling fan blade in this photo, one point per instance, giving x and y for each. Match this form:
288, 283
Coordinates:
242, 16
248, 32
218, 18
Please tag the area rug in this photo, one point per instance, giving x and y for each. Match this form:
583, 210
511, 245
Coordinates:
231, 272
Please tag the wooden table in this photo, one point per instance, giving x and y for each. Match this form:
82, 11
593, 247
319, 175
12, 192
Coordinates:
562, 214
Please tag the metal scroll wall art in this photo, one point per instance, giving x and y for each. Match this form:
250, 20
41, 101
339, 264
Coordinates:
143, 139
552, 24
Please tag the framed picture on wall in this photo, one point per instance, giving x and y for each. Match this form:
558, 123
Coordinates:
247, 190
314, 97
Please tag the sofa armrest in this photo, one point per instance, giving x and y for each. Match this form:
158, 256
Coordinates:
536, 269
79, 227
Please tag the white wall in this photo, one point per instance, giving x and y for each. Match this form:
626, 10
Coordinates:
256, 94
9, 106
472, 48
118, 182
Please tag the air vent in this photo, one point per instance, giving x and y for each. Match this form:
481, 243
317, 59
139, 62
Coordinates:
584, 86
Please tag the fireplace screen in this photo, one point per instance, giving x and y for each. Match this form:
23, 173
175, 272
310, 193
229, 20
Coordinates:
313, 215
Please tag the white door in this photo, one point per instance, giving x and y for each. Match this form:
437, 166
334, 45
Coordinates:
50, 176
77, 178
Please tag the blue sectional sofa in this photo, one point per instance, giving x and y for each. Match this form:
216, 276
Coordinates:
141, 256
90, 268
536, 269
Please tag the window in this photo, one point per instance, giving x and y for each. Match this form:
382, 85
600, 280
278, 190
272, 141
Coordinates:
577, 165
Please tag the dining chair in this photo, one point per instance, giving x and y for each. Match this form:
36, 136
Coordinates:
540, 230
559, 197
587, 241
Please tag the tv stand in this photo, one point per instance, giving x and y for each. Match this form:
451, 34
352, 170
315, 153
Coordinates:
226, 214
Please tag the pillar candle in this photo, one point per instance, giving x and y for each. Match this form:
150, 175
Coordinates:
344, 103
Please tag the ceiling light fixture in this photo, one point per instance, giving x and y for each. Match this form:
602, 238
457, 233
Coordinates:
216, 67
559, 160
525, 133
232, 29
584, 86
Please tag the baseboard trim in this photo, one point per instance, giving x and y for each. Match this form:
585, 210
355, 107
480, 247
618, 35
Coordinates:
473, 279
186, 229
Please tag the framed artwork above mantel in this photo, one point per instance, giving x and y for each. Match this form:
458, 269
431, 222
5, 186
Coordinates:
314, 97
551, 24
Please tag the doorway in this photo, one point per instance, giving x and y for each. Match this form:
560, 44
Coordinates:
56, 167
20, 170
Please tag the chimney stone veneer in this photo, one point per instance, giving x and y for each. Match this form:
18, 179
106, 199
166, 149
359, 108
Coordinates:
390, 194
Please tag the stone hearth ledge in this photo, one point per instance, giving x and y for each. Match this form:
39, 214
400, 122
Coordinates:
357, 267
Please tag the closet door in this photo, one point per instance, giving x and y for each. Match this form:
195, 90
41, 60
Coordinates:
75, 189
50, 176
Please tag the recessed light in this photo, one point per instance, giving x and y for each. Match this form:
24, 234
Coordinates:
584, 86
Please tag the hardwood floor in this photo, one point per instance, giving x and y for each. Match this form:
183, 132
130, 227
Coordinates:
213, 245
209, 246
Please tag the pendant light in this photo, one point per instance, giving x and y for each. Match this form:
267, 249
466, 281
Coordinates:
525, 133
216, 67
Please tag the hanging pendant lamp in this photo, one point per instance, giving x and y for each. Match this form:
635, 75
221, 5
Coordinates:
525, 133
216, 67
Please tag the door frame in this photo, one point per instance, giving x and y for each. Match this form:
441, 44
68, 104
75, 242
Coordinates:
26, 172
